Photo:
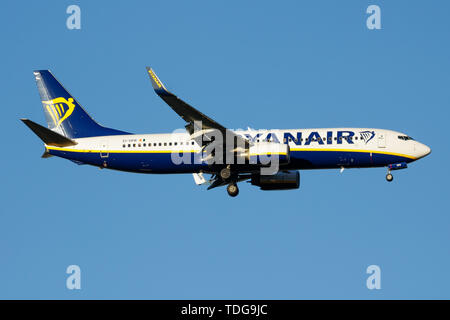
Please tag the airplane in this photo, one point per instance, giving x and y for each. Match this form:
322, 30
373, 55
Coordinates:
268, 159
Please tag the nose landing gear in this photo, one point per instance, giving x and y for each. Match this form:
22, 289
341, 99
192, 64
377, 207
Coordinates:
389, 176
395, 166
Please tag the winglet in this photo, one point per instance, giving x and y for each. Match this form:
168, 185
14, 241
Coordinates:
156, 83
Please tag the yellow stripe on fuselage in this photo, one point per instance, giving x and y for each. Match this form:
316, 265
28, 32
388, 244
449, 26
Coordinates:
268, 154
198, 151
117, 151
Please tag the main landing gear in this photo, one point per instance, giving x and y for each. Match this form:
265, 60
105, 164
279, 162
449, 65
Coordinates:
233, 189
225, 173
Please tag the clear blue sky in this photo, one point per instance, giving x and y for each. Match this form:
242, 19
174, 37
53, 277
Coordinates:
264, 64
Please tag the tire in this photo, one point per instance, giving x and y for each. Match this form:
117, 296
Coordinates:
389, 177
225, 173
232, 190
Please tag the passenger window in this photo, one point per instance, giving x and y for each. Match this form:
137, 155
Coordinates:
192, 142
170, 143
123, 146
129, 145
181, 143
174, 143
165, 144
159, 144
139, 145
134, 144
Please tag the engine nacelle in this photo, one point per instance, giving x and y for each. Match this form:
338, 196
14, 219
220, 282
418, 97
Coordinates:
263, 153
280, 181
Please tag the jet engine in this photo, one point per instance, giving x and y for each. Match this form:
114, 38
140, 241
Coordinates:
280, 181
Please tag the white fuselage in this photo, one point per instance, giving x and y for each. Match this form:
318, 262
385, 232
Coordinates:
309, 148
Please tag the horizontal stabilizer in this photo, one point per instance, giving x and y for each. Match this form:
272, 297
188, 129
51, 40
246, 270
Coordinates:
46, 154
49, 137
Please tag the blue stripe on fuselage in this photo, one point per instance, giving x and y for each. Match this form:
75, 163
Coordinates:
153, 162
335, 159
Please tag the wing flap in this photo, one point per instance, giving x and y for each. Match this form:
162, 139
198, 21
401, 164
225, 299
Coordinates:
199, 178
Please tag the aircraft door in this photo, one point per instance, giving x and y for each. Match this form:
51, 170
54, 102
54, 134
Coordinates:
104, 152
381, 140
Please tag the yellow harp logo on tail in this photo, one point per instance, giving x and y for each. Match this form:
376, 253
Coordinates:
59, 109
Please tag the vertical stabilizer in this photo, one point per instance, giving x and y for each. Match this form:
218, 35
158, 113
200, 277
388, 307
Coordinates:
62, 111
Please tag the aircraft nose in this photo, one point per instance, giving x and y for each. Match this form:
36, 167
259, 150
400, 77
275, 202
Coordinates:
422, 150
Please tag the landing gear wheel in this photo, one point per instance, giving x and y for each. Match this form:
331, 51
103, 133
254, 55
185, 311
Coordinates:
225, 173
233, 189
389, 177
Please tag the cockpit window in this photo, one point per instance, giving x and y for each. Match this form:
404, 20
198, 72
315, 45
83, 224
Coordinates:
406, 138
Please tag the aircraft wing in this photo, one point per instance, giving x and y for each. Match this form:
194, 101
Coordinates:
189, 113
